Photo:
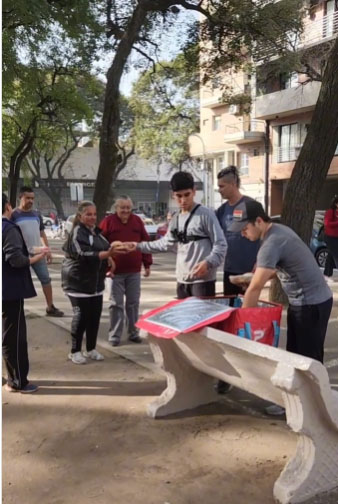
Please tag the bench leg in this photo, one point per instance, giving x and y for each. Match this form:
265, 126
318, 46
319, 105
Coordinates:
314, 467
186, 386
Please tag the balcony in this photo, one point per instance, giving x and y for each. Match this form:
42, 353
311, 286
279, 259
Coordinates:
319, 30
315, 32
302, 98
213, 102
244, 132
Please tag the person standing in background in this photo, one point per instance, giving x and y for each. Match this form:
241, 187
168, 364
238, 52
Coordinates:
17, 285
33, 231
331, 236
125, 226
241, 254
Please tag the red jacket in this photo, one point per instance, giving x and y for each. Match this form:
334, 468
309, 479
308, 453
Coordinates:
132, 231
331, 223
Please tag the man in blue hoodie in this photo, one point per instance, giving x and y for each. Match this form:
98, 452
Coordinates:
17, 285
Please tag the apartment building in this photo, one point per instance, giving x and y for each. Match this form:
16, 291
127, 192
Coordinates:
278, 119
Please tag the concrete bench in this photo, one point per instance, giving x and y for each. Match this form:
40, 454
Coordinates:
192, 361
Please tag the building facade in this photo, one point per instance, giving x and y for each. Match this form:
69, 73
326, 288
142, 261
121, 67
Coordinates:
146, 183
264, 141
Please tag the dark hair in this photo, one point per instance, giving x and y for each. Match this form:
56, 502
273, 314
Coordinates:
182, 180
231, 173
334, 202
80, 209
4, 202
24, 189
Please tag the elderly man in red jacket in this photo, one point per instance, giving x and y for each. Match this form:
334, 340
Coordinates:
125, 226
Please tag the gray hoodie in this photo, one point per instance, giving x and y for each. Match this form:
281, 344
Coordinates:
212, 248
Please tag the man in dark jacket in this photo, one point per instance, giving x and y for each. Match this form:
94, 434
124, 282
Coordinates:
17, 285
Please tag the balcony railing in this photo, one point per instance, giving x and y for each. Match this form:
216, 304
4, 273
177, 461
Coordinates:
314, 32
244, 132
323, 28
245, 126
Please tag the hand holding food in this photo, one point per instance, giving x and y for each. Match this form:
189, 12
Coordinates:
241, 280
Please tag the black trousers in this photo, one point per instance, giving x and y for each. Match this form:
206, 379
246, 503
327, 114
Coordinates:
86, 319
329, 265
332, 245
14, 343
199, 289
307, 327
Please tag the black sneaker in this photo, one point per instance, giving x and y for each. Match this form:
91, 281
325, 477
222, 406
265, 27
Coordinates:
54, 312
135, 338
115, 341
223, 387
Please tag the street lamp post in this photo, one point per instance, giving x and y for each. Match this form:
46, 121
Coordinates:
205, 170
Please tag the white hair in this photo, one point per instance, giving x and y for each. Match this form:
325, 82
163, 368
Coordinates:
122, 198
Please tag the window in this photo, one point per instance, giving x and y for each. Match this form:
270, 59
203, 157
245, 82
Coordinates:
288, 139
216, 122
288, 81
244, 163
330, 21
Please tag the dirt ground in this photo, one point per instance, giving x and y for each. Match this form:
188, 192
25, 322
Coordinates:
85, 437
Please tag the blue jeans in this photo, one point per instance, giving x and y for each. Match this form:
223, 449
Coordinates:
41, 270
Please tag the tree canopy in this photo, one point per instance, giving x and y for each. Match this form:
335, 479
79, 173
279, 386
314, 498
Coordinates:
165, 106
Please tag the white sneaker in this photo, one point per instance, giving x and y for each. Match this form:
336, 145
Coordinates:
329, 280
93, 354
77, 358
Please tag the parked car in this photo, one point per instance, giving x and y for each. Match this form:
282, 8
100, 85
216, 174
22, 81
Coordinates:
151, 227
317, 244
47, 221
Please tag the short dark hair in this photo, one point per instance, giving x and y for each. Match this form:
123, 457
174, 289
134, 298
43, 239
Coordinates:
24, 189
181, 180
4, 202
231, 173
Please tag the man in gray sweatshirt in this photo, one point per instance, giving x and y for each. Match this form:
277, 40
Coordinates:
201, 246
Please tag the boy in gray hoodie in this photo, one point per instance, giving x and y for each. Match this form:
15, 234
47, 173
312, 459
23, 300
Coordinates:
201, 246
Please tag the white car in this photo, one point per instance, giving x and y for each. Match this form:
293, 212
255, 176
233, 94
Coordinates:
151, 227
47, 221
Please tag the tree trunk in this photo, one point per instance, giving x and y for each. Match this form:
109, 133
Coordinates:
54, 194
313, 163
109, 151
17, 159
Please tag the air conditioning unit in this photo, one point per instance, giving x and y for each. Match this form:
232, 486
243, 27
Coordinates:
233, 109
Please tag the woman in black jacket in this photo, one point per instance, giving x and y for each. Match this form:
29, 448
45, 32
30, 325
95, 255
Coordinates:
88, 258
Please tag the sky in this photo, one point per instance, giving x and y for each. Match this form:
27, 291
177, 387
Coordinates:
169, 48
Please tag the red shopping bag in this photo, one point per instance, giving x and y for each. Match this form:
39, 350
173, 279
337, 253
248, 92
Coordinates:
261, 323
